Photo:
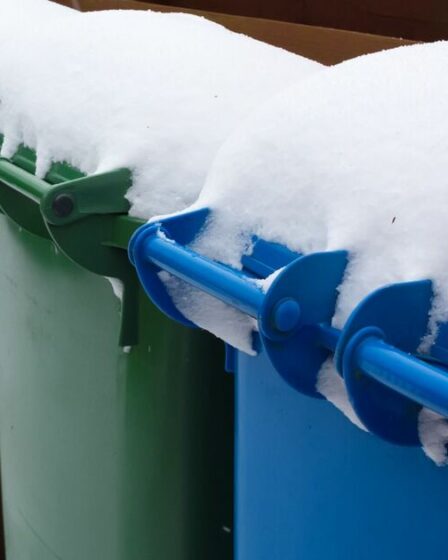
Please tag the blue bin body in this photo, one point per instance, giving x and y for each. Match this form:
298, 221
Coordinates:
309, 484
312, 486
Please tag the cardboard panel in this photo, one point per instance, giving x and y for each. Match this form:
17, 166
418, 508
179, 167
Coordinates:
328, 46
425, 20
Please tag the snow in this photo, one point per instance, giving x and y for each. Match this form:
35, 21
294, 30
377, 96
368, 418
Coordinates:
117, 287
353, 158
155, 92
331, 385
433, 432
199, 307
267, 282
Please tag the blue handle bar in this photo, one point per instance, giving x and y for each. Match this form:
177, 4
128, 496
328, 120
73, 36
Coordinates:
393, 368
409, 376
226, 284
400, 371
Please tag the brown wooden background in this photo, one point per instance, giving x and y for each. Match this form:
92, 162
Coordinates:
328, 46
424, 20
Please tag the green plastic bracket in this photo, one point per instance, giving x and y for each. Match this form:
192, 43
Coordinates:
74, 200
85, 216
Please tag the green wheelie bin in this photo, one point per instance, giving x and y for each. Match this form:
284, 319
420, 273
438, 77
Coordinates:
115, 424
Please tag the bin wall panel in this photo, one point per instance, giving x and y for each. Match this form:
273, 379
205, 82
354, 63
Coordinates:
105, 454
311, 485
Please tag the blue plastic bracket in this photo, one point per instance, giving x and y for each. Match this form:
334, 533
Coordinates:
301, 296
387, 394
376, 353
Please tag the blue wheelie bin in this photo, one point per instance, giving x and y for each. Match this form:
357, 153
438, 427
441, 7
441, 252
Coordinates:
310, 484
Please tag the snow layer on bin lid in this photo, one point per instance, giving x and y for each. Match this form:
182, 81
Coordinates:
353, 158
154, 92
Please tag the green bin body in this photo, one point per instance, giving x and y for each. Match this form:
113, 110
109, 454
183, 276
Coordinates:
106, 454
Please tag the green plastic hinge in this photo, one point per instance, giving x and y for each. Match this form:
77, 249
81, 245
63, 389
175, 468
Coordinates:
85, 216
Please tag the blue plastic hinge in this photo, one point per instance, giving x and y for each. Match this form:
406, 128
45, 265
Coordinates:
302, 295
375, 352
